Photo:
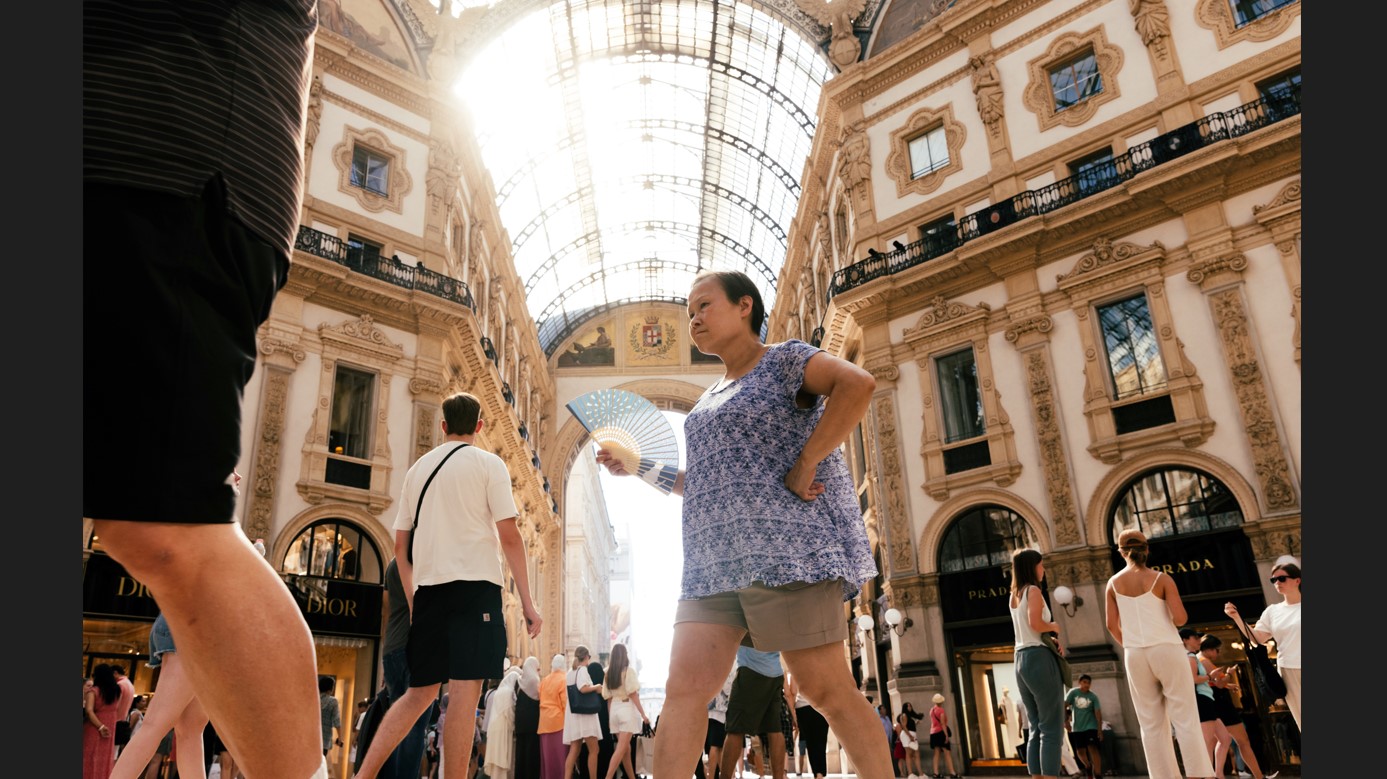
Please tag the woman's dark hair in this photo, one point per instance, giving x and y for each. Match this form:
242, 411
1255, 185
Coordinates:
104, 677
616, 667
1210, 641
1023, 563
737, 285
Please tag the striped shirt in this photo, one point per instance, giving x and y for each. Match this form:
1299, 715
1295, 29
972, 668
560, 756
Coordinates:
176, 92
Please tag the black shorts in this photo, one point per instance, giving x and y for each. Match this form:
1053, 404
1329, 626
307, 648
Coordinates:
754, 705
456, 632
1079, 739
174, 290
1228, 714
717, 733
939, 740
1208, 711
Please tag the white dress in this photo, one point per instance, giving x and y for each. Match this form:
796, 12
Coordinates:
577, 726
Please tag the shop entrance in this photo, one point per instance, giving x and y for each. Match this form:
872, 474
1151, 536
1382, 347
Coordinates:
988, 731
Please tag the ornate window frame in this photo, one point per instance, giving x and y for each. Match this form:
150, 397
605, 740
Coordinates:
1217, 15
1112, 271
922, 121
359, 343
1041, 101
400, 181
945, 328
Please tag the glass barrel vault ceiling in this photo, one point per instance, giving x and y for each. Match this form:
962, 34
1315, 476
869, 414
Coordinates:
634, 143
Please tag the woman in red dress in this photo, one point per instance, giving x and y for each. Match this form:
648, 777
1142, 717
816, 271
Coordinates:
100, 704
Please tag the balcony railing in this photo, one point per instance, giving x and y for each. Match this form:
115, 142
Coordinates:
388, 269
1140, 158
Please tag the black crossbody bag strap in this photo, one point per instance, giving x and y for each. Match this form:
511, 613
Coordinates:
420, 507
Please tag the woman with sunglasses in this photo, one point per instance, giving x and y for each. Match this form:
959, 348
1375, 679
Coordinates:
1280, 622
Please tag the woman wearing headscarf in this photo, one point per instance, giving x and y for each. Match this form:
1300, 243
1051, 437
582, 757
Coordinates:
527, 721
553, 701
500, 727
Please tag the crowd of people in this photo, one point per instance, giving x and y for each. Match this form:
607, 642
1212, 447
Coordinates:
194, 116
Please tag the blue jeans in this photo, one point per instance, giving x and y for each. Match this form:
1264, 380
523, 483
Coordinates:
1042, 693
404, 762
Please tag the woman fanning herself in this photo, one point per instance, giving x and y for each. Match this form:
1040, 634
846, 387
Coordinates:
621, 687
773, 537
1281, 622
1037, 668
1143, 611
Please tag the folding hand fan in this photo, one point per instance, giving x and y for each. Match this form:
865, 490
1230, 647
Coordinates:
634, 431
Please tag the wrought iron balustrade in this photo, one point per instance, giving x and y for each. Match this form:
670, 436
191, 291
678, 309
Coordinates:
389, 269
1163, 148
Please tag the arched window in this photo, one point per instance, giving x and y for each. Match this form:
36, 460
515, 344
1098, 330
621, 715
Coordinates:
1175, 501
983, 537
334, 549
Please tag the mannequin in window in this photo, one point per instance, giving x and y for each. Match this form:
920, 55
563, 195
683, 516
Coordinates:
1006, 712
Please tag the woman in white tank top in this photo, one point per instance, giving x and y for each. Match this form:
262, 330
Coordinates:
1037, 669
1144, 611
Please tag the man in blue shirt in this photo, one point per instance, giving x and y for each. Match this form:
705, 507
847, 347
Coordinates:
753, 709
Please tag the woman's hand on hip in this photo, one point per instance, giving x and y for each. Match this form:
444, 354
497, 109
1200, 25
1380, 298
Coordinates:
800, 480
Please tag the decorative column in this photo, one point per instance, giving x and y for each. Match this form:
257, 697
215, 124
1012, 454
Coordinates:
1221, 281
281, 354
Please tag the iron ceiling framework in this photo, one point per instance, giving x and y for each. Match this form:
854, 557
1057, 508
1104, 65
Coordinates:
636, 143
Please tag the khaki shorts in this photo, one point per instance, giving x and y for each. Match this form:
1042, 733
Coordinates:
798, 615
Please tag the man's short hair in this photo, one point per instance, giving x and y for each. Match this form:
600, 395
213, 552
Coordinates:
325, 684
461, 412
119, 669
1085, 678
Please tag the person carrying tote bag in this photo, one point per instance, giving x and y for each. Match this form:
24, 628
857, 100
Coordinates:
1279, 622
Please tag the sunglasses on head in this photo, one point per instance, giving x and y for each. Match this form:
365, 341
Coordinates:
1278, 579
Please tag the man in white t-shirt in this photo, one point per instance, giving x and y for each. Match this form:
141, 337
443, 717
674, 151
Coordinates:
456, 520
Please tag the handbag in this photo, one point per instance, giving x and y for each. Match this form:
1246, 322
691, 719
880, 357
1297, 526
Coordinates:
584, 702
420, 507
1270, 685
1066, 672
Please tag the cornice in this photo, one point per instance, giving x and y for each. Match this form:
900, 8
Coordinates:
375, 116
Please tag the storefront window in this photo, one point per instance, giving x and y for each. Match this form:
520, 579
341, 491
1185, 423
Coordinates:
334, 549
984, 537
1175, 501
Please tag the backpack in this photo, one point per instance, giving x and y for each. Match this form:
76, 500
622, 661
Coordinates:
370, 721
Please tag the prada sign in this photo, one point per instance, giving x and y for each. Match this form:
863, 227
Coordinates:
967, 596
1204, 564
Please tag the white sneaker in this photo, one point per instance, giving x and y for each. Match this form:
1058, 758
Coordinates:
1247, 774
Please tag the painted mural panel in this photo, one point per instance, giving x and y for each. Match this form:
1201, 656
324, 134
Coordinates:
369, 25
593, 347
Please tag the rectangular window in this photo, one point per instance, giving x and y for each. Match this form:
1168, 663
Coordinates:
370, 170
960, 402
928, 152
1247, 11
940, 236
1094, 173
360, 250
1284, 85
1134, 357
350, 430
1075, 80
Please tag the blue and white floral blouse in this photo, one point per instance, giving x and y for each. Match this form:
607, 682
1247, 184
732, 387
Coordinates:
741, 524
